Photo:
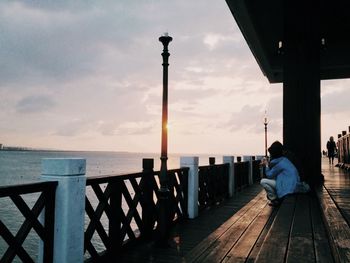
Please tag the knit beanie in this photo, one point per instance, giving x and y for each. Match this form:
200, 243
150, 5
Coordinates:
276, 150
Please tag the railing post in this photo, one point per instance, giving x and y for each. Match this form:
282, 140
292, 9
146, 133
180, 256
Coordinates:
249, 159
231, 173
211, 160
192, 164
48, 219
261, 168
259, 157
213, 178
69, 208
238, 174
148, 212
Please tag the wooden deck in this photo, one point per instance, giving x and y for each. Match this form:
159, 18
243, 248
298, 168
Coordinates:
246, 229
337, 184
335, 204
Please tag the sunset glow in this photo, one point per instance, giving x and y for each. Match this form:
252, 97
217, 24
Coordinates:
87, 75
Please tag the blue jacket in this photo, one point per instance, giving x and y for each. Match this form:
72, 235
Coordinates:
286, 176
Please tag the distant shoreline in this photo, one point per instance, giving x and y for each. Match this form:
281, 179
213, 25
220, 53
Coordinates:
19, 149
24, 149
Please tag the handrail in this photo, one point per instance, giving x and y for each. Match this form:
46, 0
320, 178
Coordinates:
120, 208
106, 178
129, 203
45, 202
17, 189
343, 146
213, 184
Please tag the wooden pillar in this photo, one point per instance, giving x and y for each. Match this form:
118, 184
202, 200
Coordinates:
301, 85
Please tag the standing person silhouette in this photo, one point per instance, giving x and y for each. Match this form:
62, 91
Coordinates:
331, 149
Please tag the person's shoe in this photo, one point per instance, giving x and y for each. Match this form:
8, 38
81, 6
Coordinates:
275, 203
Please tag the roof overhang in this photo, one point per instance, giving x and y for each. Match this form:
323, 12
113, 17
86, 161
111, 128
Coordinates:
261, 23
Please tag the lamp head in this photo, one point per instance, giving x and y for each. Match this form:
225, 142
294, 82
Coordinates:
265, 120
165, 39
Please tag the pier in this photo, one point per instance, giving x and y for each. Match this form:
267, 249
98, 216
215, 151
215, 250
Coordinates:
228, 224
118, 211
217, 212
310, 227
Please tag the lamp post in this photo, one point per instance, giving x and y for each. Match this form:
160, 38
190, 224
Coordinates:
266, 121
163, 194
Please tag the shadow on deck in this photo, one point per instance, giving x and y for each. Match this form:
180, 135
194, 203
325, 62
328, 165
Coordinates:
246, 229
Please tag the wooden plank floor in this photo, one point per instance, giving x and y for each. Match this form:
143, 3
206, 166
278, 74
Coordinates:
336, 206
246, 229
337, 182
186, 236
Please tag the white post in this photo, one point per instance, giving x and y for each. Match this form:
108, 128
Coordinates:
259, 157
69, 208
192, 204
249, 159
231, 174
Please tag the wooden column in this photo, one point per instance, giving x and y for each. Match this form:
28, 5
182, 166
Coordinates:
301, 85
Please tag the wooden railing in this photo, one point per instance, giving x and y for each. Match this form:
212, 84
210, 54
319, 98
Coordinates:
241, 171
45, 230
256, 170
126, 208
119, 209
344, 150
212, 184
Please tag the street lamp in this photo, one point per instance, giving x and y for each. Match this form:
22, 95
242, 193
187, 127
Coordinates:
266, 121
163, 193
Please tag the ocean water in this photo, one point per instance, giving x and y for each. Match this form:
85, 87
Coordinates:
17, 167
20, 167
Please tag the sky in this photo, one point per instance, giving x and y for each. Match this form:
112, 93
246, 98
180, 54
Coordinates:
87, 75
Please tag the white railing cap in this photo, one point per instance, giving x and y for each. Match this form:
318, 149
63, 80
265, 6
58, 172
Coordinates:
63, 166
189, 160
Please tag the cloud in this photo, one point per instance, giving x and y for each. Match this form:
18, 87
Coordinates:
73, 128
90, 74
246, 119
336, 102
41, 45
135, 128
59, 43
35, 104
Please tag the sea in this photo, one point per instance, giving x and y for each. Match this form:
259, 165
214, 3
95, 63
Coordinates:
22, 167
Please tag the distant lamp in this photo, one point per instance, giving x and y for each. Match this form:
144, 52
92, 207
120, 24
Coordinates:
265, 121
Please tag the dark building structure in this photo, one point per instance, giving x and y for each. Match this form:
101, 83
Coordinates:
298, 43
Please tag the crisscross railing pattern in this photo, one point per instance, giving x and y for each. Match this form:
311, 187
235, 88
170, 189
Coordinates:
343, 145
212, 184
256, 170
125, 208
44, 230
178, 186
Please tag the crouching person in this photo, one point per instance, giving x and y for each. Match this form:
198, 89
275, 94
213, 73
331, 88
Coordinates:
282, 177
